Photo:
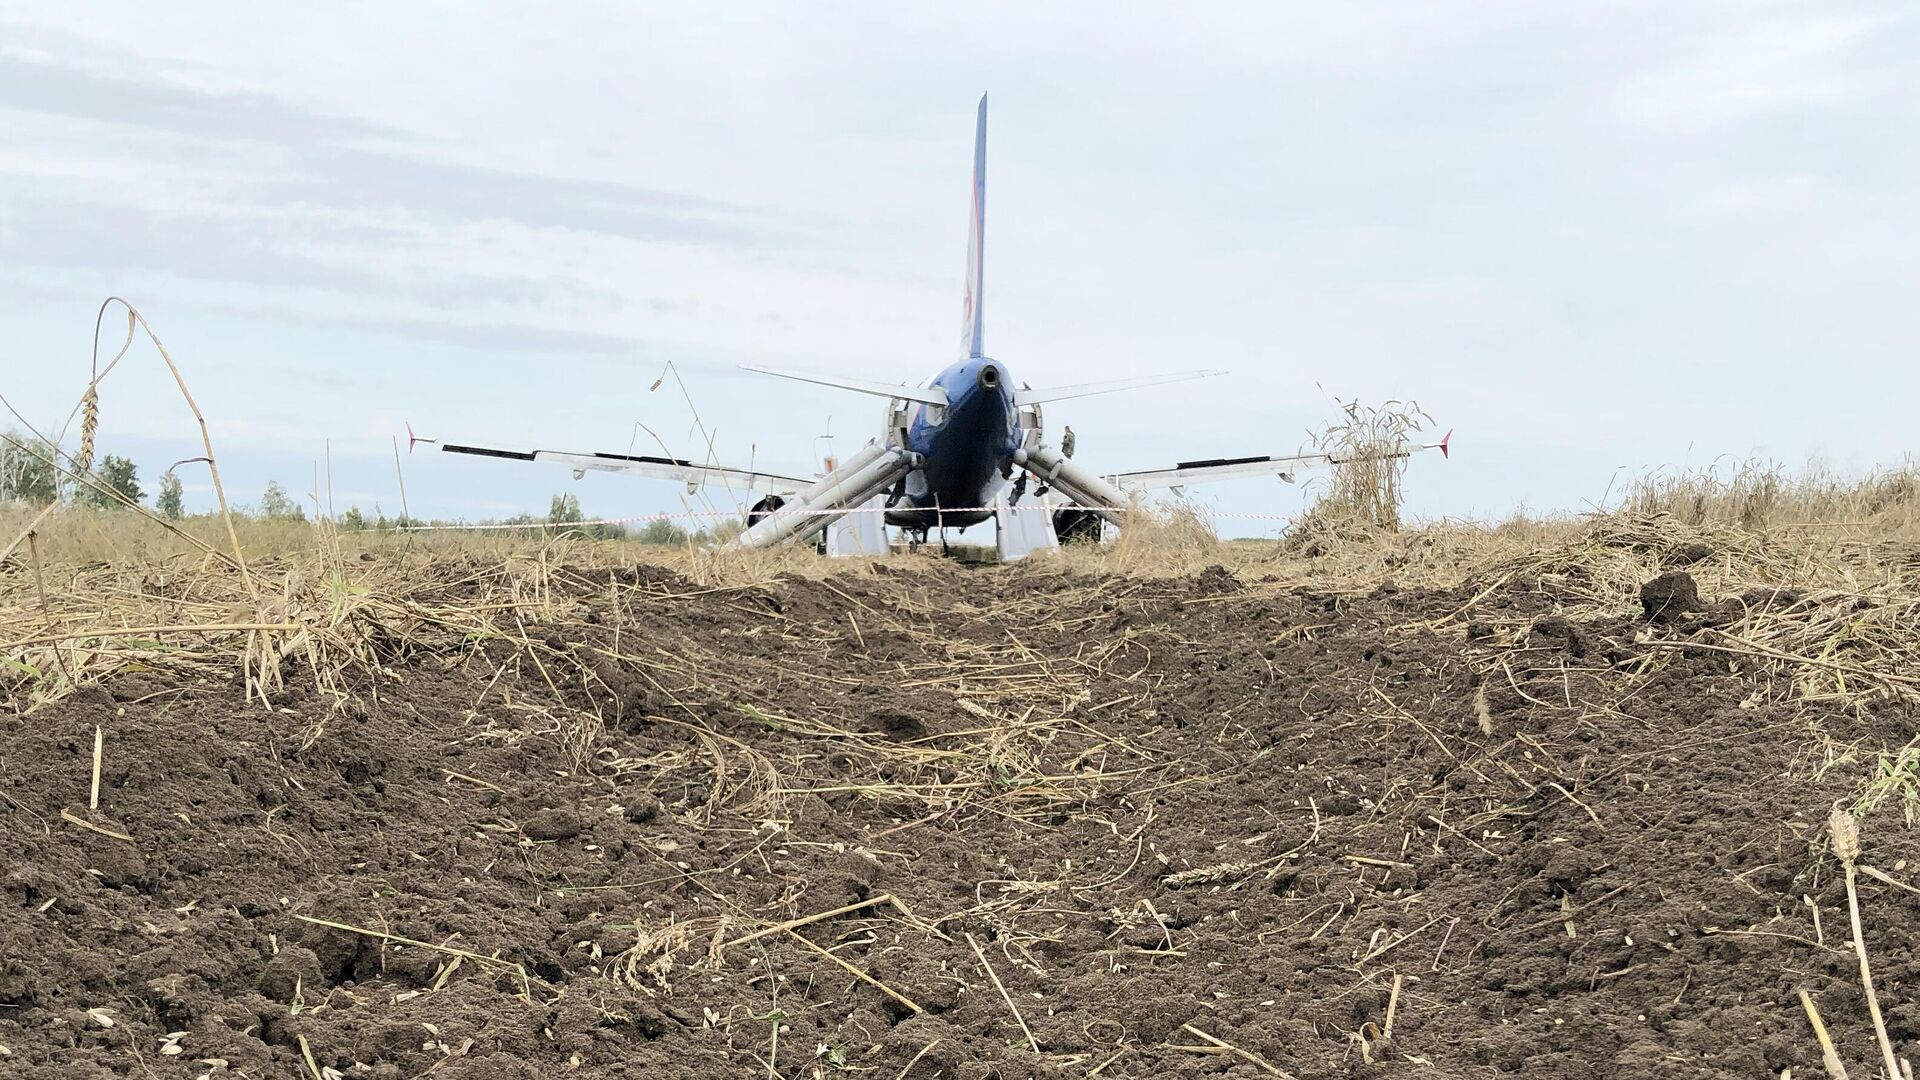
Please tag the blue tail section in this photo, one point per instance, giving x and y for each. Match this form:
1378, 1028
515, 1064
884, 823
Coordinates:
972, 321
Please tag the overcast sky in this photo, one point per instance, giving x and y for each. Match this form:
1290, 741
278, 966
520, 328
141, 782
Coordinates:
1587, 237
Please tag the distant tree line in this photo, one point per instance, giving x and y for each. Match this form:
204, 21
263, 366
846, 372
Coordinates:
564, 517
27, 475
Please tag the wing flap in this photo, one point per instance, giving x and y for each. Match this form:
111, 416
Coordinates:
1193, 472
487, 451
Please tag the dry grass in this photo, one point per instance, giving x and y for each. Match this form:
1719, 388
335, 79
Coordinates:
1896, 780
1158, 542
1836, 599
1827, 571
1367, 450
1759, 495
1829, 618
1819, 577
1830, 626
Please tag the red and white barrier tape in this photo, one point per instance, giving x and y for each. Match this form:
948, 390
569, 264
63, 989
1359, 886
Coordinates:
717, 515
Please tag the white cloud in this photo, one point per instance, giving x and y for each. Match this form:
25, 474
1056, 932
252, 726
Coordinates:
1584, 237
1733, 74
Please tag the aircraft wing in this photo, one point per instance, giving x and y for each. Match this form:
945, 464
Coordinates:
656, 468
1195, 472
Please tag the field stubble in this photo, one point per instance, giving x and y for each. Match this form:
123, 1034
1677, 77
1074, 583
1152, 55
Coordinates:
1613, 796
1459, 801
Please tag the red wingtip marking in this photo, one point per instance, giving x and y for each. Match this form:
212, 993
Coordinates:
411, 438
1444, 439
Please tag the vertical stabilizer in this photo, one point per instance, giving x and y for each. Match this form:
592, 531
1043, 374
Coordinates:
971, 319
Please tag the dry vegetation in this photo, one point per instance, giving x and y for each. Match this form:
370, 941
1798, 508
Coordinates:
1360, 493
1828, 627
1757, 496
1817, 582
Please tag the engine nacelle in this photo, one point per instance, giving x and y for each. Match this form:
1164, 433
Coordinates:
1074, 526
763, 509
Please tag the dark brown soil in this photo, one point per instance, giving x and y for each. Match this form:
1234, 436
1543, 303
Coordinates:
1168, 813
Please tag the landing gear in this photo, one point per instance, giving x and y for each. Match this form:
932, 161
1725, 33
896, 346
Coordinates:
918, 535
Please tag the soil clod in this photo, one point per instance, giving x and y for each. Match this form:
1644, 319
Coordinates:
1669, 596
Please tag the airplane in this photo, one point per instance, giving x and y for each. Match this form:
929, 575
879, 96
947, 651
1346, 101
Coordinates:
956, 450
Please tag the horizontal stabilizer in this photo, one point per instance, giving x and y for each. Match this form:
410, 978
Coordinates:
929, 395
1080, 390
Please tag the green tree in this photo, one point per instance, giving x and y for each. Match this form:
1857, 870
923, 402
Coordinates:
276, 505
169, 501
353, 520
565, 510
26, 470
661, 531
118, 476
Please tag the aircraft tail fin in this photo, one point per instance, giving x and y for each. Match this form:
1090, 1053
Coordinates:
971, 319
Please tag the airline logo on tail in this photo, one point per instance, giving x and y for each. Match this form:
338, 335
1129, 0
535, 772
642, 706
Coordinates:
971, 319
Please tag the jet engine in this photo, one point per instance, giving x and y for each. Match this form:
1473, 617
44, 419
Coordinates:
763, 509
1077, 526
